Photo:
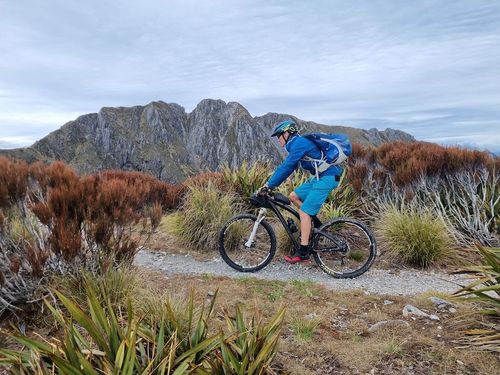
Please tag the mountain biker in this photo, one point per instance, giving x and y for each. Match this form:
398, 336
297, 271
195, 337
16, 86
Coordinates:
310, 196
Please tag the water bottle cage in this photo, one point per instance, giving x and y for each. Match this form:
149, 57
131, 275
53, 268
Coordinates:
291, 225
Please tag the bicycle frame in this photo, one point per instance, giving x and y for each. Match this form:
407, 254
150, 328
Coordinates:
273, 205
277, 212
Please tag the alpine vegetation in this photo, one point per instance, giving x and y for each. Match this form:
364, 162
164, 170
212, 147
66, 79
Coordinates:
53, 220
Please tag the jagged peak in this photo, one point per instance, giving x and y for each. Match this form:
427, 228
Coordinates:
210, 103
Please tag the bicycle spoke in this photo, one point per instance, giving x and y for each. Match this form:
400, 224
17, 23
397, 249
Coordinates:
344, 248
247, 245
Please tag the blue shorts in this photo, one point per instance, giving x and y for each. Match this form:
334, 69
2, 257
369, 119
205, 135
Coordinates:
313, 193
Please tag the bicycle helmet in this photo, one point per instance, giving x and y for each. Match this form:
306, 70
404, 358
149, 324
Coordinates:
284, 126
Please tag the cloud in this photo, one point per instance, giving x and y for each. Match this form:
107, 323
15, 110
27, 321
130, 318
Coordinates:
424, 67
15, 142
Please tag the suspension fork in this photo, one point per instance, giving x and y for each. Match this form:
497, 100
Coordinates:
260, 217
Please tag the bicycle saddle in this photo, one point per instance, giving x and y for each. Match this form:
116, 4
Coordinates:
278, 197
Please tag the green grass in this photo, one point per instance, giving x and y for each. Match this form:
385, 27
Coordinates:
394, 346
276, 293
357, 255
304, 287
303, 329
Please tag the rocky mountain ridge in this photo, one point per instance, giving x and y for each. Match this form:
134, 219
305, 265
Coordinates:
164, 140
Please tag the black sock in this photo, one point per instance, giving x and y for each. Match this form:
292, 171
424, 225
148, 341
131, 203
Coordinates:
304, 250
316, 222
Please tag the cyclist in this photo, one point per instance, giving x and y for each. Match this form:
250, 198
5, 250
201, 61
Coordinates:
310, 196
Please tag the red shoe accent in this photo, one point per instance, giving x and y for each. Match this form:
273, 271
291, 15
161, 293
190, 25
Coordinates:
296, 259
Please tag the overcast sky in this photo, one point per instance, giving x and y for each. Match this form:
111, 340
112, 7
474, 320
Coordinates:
431, 68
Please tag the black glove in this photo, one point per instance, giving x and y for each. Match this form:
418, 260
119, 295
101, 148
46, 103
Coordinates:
264, 190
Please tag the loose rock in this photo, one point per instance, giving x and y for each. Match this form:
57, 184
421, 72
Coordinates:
388, 323
412, 310
311, 316
440, 302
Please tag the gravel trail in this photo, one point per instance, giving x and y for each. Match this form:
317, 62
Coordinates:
375, 281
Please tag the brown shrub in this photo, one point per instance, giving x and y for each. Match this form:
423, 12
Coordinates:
409, 171
363, 152
104, 206
13, 180
66, 239
42, 212
55, 175
356, 174
169, 196
408, 161
36, 258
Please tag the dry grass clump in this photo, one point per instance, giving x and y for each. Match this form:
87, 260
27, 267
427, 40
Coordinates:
202, 215
116, 285
414, 237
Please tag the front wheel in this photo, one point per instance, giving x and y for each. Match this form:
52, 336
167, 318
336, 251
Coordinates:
247, 245
344, 248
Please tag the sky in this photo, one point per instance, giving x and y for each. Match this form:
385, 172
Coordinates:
430, 68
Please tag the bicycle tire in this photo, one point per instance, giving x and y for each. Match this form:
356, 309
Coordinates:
228, 256
353, 273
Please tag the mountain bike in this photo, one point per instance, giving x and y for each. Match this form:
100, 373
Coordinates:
342, 247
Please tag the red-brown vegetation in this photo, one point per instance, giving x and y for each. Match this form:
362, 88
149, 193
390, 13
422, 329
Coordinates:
458, 184
13, 180
153, 190
406, 162
94, 219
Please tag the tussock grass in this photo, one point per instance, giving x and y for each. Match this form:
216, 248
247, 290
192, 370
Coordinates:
414, 237
245, 180
115, 285
303, 329
203, 213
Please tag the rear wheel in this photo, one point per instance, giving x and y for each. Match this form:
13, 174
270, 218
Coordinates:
344, 248
242, 252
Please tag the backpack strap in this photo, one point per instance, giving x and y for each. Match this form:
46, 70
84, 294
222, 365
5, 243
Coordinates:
320, 165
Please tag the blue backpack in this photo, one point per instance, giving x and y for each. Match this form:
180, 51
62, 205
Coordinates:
335, 149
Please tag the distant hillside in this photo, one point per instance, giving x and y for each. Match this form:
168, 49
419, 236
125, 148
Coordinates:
165, 141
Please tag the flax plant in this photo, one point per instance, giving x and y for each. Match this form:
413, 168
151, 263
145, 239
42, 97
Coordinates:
102, 341
250, 347
485, 291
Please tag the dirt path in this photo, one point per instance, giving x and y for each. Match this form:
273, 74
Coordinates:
375, 281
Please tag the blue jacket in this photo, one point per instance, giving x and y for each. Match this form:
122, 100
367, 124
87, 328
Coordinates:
298, 148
